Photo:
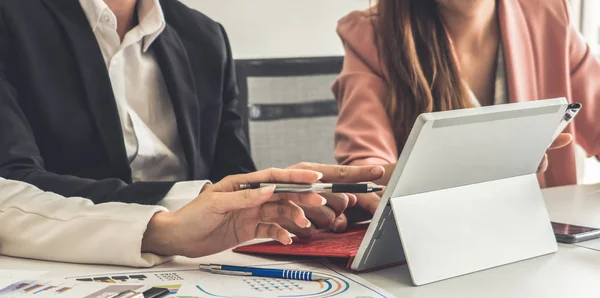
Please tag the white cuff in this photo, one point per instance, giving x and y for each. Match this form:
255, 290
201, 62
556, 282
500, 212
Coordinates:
182, 193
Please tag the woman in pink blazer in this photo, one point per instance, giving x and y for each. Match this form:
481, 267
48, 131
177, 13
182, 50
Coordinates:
405, 57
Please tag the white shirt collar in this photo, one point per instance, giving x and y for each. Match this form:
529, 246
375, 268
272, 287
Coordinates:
150, 15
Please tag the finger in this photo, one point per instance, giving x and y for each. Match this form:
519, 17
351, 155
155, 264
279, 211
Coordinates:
322, 217
562, 140
309, 198
232, 183
277, 211
543, 165
339, 224
337, 201
273, 231
368, 201
300, 232
223, 202
351, 200
344, 174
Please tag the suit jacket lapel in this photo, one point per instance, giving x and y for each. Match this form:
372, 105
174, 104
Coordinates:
518, 55
96, 81
175, 66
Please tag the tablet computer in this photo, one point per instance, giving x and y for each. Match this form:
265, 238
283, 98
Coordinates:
464, 195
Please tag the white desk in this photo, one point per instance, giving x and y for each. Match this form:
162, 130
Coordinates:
572, 272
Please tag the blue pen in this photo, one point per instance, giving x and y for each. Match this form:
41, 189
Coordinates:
263, 272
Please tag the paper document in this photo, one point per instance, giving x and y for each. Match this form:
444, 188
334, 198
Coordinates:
197, 283
8, 277
64, 289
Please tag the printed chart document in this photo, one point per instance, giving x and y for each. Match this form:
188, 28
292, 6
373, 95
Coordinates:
196, 283
8, 277
22, 283
63, 289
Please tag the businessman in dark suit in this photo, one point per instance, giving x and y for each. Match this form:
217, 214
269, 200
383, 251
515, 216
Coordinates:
94, 98
122, 100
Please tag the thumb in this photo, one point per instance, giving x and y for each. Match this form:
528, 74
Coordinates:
244, 199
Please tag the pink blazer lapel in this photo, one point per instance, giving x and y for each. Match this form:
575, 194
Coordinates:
519, 57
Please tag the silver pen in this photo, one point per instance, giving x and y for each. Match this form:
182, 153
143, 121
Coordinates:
571, 112
317, 187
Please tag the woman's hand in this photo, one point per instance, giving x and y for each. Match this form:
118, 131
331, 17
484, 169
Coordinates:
222, 216
562, 140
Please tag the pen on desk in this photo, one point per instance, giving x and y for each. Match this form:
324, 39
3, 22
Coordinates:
263, 272
155, 292
127, 294
150, 293
316, 187
570, 113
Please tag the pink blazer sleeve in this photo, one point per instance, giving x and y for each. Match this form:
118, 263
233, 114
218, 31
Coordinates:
585, 89
363, 133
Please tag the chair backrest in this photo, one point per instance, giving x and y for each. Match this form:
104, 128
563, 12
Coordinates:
289, 109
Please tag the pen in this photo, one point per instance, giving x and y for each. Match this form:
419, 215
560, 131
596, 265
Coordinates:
316, 187
156, 292
150, 293
571, 112
262, 272
127, 294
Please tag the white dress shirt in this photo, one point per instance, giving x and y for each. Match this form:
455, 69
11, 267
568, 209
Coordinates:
147, 118
43, 225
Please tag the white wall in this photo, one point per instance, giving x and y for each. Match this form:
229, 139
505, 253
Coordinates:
280, 28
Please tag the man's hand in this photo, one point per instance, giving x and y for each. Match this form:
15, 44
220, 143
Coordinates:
222, 216
332, 215
562, 140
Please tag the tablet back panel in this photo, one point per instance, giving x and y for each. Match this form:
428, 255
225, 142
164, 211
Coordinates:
455, 231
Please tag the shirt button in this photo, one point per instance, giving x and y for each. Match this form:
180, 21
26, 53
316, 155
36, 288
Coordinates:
106, 19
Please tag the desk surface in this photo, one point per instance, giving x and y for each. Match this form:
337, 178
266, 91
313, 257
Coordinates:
572, 272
